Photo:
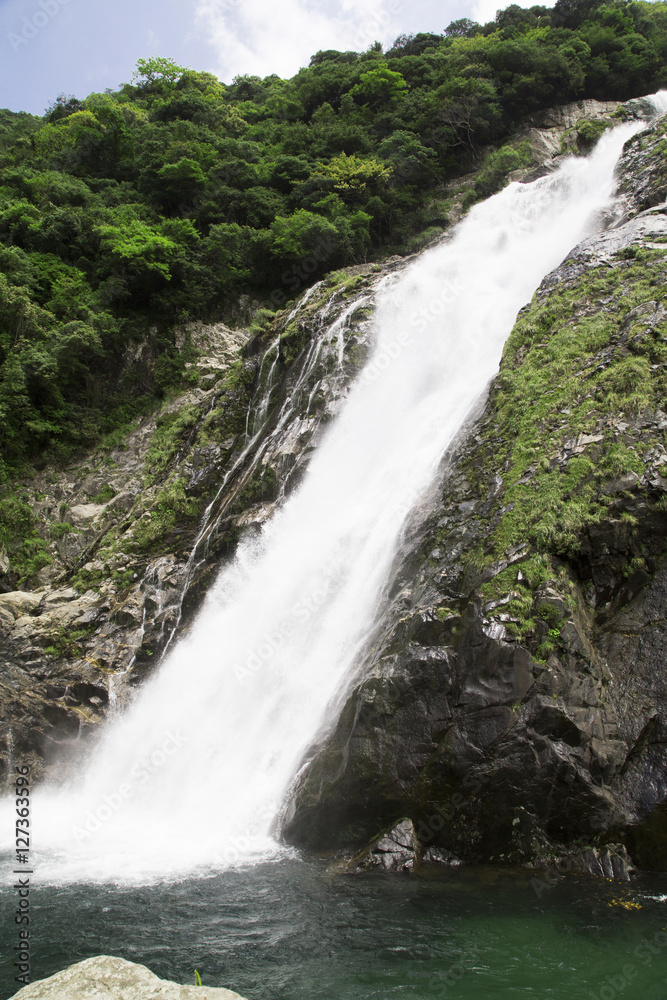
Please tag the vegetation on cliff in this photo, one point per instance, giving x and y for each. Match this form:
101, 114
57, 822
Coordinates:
510, 701
540, 563
127, 212
575, 419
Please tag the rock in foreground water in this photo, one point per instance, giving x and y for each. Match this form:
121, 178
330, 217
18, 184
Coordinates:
109, 978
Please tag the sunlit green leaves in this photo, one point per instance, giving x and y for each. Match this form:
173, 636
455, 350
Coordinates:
139, 244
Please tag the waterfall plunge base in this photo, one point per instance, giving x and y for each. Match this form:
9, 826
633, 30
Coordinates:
193, 774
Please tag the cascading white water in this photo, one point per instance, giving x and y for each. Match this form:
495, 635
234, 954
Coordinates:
194, 771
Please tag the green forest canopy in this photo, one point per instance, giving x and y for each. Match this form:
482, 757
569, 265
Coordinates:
126, 213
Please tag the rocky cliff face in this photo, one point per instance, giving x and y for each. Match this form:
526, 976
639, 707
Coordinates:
131, 537
513, 699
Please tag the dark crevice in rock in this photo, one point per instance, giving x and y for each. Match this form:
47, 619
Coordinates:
512, 700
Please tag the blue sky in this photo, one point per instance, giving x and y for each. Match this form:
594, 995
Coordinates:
48, 47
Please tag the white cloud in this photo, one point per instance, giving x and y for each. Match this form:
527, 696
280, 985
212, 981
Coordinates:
279, 36
485, 10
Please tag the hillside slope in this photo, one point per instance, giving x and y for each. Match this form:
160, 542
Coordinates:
513, 702
514, 684
114, 551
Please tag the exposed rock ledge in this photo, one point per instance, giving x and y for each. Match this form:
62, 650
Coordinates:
512, 701
405, 849
107, 978
122, 557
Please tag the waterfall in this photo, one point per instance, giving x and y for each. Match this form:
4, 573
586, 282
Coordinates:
192, 774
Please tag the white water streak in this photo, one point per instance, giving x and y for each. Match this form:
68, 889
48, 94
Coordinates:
193, 773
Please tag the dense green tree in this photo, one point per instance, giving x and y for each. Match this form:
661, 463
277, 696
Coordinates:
179, 183
155, 70
126, 212
463, 27
63, 106
379, 86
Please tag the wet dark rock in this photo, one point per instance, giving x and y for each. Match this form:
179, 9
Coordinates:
512, 702
439, 856
612, 862
125, 574
511, 706
394, 851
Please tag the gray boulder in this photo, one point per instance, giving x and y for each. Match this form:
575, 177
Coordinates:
108, 978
